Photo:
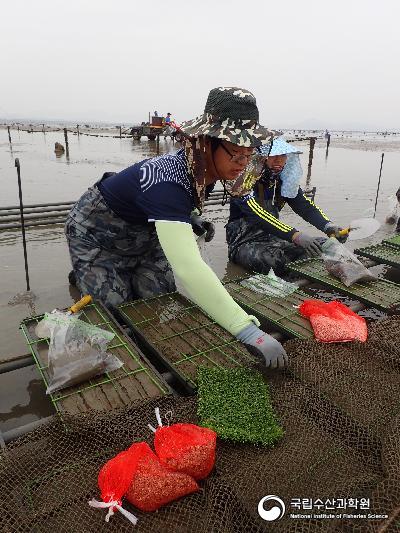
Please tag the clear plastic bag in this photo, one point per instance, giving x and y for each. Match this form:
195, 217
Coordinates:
343, 264
269, 284
77, 350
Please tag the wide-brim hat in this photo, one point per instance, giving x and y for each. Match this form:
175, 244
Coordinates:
279, 147
230, 114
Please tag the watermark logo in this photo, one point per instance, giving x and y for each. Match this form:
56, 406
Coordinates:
276, 512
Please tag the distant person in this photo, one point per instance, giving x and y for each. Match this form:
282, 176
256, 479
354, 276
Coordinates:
169, 130
132, 231
398, 200
257, 239
155, 114
327, 134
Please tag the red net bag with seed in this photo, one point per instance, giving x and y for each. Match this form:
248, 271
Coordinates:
114, 480
153, 485
334, 322
185, 448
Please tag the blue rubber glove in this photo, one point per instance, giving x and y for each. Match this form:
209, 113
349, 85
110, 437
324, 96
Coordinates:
310, 244
332, 229
263, 345
201, 227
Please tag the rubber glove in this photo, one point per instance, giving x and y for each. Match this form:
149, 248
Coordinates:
263, 345
201, 227
331, 229
310, 244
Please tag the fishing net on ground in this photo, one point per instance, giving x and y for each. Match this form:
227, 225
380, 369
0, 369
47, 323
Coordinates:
339, 406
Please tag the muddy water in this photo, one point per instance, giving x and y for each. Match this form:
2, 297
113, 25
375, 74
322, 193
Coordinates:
346, 181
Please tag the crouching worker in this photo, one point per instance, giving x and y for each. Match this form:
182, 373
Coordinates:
131, 231
257, 239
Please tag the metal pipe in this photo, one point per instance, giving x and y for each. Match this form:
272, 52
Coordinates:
34, 211
213, 195
50, 222
10, 207
379, 184
15, 433
22, 222
39, 216
16, 364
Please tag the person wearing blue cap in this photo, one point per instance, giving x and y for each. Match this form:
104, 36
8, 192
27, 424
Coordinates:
257, 239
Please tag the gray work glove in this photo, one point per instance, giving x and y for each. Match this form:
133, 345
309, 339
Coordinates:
263, 345
201, 227
311, 245
331, 229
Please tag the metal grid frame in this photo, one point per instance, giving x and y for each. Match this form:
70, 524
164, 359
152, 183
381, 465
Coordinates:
197, 339
110, 389
382, 294
382, 253
393, 241
281, 312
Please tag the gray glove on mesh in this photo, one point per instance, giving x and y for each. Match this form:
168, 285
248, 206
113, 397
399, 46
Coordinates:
332, 229
263, 345
201, 227
310, 244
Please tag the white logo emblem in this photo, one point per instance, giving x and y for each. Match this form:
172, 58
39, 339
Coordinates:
275, 513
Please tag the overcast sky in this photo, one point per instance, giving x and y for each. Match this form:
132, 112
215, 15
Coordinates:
310, 63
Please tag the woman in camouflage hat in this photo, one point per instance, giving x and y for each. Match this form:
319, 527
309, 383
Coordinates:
132, 230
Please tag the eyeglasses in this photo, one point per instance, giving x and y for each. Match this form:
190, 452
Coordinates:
237, 158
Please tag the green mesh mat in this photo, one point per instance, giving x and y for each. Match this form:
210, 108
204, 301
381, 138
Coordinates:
382, 253
177, 332
136, 379
394, 241
281, 312
381, 293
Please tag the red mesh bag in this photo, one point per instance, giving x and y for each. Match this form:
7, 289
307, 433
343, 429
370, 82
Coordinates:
334, 322
114, 480
186, 448
152, 484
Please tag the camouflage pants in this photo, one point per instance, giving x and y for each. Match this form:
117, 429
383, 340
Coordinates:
258, 251
114, 261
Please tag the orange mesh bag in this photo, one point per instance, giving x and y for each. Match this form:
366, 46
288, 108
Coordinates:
114, 479
152, 484
334, 322
185, 448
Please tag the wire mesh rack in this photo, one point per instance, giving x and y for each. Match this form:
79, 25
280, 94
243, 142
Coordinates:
382, 253
178, 332
136, 379
280, 312
394, 241
383, 294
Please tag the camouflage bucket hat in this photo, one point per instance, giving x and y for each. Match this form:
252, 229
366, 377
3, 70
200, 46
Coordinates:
231, 114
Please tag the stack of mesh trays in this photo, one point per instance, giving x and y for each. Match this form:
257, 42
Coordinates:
281, 312
136, 379
178, 333
382, 253
382, 294
394, 241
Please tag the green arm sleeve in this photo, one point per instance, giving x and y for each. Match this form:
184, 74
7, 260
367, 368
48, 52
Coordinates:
203, 286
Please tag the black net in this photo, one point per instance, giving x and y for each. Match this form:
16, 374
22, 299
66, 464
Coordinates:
339, 406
